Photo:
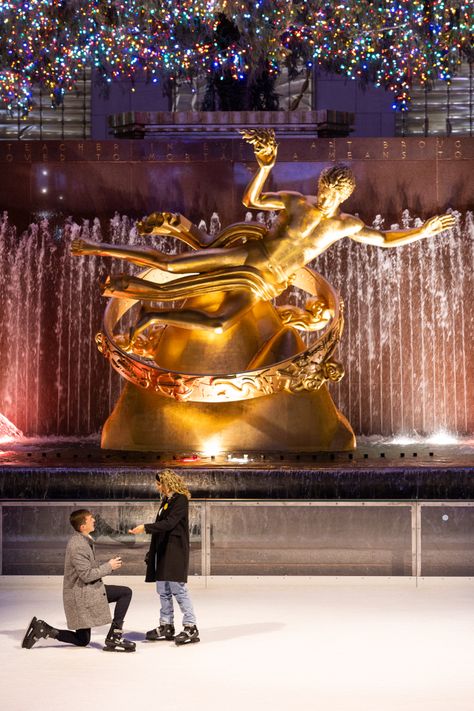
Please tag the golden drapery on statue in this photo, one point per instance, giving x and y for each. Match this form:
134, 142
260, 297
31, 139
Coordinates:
209, 354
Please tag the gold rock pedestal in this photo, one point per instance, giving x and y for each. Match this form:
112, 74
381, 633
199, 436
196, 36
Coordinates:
255, 387
283, 422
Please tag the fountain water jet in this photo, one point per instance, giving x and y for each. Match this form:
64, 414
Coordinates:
8, 431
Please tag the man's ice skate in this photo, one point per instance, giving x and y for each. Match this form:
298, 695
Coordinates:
114, 642
189, 635
162, 632
37, 629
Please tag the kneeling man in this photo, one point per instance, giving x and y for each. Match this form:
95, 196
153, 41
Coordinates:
85, 596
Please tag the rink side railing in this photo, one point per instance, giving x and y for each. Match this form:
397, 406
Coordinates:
232, 537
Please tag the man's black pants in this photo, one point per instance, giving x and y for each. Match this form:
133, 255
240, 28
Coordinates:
119, 594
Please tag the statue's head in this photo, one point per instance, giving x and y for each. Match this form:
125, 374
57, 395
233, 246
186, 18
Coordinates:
337, 179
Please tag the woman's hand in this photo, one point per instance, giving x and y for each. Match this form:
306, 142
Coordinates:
137, 529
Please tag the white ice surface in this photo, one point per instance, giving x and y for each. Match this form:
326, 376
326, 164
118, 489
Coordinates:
266, 644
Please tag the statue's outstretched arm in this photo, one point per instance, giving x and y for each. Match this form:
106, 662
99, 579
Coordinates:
397, 238
143, 256
265, 149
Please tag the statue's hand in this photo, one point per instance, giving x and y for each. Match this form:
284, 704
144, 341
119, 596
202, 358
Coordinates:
159, 223
264, 145
438, 223
82, 246
266, 157
111, 284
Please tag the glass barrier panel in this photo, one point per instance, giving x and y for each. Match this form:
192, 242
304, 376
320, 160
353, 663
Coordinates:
447, 540
35, 537
311, 540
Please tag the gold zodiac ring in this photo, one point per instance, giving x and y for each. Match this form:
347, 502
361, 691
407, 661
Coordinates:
307, 370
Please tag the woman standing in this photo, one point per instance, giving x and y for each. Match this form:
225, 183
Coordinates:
168, 558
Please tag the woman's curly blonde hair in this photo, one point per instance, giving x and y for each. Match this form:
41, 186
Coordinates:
173, 482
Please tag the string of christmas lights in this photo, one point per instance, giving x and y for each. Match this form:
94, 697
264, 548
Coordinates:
393, 43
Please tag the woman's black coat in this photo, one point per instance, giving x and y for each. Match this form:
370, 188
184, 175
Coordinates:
168, 556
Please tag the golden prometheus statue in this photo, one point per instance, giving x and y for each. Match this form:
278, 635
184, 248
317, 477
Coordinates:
209, 355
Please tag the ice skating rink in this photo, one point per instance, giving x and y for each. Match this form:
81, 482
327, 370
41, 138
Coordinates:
326, 644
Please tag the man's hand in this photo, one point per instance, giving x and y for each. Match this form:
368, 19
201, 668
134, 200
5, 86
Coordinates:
437, 224
115, 563
137, 529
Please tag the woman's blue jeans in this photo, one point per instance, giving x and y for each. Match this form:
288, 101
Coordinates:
166, 590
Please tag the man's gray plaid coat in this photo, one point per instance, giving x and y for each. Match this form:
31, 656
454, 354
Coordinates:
84, 597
